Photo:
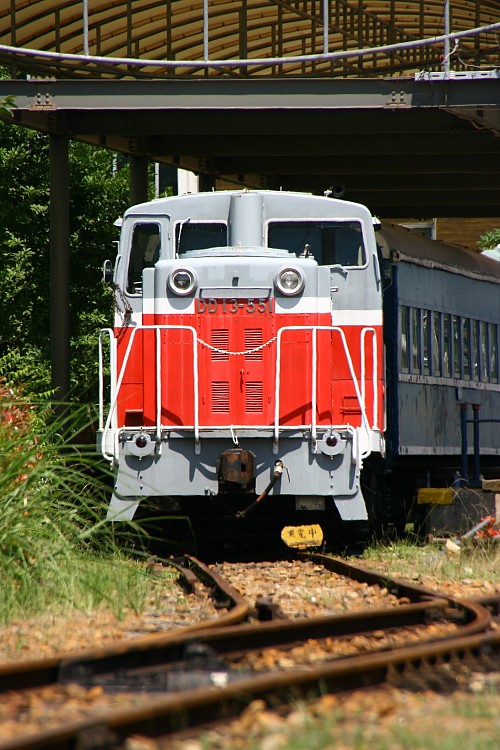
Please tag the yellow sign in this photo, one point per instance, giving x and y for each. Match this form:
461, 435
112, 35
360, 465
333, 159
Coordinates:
302, 537
435, 496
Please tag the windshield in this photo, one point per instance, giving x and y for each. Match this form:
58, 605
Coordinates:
195, 235
329, 242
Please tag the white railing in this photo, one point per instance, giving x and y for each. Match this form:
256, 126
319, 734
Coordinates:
116, 381
360, 393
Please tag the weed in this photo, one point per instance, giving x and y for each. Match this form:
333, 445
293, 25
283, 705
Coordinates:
56, 548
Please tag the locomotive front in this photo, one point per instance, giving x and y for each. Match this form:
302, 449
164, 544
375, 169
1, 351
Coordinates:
246, 362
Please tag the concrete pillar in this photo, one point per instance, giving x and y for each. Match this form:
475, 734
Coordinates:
187, 182
59, 265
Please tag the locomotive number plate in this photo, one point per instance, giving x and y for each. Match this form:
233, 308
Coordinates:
306, 502
232, 306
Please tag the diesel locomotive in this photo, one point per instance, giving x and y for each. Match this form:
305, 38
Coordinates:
281, 360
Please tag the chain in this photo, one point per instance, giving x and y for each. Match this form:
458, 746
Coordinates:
126, 314
237, 354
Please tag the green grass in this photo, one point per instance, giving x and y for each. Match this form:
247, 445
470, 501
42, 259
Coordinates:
56, 549
476, 560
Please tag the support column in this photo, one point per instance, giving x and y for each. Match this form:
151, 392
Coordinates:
59, 265
138, 179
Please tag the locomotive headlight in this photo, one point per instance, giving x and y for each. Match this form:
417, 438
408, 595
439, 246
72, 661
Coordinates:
182, 281
289, 281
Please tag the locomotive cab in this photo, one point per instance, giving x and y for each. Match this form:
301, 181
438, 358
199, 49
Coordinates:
246, 360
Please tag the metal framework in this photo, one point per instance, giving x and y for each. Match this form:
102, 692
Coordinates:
271, 37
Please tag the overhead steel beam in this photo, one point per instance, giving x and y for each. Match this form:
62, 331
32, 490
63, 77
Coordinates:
247, 94
370, 146
486, 170
382, 137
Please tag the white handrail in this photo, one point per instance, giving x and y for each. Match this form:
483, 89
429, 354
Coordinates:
314, 330
112, 362
158, 385
119, 381
116, 382
364, 332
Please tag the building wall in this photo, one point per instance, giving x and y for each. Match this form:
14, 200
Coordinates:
464, 231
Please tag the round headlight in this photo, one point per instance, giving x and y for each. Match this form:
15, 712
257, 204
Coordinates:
182, 281
289, 281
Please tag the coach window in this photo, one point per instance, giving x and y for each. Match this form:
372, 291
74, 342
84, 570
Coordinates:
466, 369
474, 349
446, 371
493, 350
436, 343
329, 242
457, 345
144, 253
404, 337
483, 350
415, 339
426, 340
199, 235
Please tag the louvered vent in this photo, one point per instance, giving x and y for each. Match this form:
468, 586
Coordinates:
220, 339
253, 338
254, 396
220, 397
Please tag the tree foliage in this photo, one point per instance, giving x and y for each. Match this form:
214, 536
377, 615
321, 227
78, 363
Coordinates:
489, 239
98, 195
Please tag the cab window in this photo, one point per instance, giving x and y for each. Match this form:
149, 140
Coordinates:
329, 242
144, 253
199, 235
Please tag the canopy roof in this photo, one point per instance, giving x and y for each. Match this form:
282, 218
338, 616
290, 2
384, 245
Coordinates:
219, 30
261, 93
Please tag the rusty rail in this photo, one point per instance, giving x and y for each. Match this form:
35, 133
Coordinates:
193, 708
172, 712
37, 673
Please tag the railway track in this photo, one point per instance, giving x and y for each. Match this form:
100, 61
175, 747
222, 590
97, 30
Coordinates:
207, 673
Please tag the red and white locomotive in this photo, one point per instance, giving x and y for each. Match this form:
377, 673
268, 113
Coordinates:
246, 361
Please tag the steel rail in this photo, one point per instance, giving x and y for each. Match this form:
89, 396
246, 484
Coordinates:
195, 707
170, 647
223, 593
476, 610
395, 586
31, 673
201, 706
471, 617
236, 641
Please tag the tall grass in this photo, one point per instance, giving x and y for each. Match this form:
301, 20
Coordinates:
474, 559
56, 548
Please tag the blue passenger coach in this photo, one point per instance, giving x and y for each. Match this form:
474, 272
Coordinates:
441, 320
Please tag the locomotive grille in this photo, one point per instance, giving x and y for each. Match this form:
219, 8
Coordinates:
253, 338
220, 339
220, 397
254, 392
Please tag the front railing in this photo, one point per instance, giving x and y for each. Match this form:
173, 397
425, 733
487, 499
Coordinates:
108, 422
